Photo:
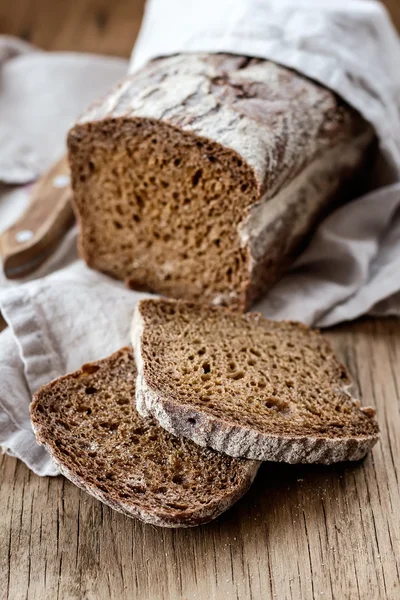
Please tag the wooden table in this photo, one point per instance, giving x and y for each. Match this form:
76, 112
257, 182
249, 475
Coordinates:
301, 532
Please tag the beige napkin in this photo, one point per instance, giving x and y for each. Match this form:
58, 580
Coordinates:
350, 268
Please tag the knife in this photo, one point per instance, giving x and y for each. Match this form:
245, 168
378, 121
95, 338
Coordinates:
33, 238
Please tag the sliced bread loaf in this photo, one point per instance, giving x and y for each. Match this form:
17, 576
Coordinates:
88, 423
247, 386
200, 176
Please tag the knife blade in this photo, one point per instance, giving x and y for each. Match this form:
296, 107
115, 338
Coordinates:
35, 235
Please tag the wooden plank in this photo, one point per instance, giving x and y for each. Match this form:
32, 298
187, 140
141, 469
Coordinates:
300, 532
80, 25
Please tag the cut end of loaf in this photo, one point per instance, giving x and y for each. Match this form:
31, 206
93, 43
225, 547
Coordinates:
247, 386
172, 168
160, 209
88, 423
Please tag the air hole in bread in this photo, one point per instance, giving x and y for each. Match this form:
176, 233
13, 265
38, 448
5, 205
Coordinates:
122, 401
178, 479
196, 177
110, 426
270, 403
255, 352
84, 409
89, 369
90, 390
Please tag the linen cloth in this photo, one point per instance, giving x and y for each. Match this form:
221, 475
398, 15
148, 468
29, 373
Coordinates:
351, 266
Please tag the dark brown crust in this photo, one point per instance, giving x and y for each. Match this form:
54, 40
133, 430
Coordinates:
130, 506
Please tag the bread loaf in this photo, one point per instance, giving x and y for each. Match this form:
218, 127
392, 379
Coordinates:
88, 422
200, 176
247, 386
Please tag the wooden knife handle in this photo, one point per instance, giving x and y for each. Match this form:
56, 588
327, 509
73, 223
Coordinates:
35, 235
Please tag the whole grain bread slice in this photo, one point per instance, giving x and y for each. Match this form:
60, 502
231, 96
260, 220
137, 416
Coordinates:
88, 422
247, 386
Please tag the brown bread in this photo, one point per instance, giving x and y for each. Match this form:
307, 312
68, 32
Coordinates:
200, 176
247, 386
88, 423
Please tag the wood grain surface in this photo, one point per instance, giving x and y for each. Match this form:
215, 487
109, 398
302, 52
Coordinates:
101, 26
301, 532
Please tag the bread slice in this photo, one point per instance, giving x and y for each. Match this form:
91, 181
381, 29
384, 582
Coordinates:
200, 176
88, 423
247, 386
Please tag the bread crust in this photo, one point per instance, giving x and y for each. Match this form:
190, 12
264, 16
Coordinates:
235, 439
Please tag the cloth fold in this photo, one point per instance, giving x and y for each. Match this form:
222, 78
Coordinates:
56, 324
69, 314
16, 435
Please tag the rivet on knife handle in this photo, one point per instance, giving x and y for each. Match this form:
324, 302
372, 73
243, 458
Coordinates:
33, 238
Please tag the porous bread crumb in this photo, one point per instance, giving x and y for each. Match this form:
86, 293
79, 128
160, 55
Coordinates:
247, 386
88, 423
